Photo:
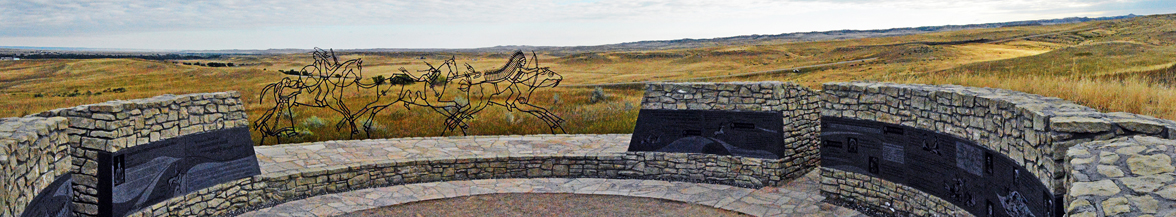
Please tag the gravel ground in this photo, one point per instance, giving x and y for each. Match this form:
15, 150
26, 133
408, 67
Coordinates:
517, 204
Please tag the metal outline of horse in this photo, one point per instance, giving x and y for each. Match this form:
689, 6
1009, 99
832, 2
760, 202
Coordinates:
331, 80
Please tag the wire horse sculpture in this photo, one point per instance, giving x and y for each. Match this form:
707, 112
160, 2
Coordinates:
326, 82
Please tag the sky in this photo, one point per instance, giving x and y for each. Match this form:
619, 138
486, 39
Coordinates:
303, 24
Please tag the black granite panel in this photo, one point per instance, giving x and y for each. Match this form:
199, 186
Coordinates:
147, 174
740, 133
973, 177
54, 200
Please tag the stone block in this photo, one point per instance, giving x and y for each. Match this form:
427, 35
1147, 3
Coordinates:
1080, 124
1150, 164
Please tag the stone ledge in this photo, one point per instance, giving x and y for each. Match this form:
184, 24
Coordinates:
1129, 176
883, 196
274, 188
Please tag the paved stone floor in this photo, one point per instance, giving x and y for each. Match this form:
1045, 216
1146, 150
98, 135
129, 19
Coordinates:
798, 198
321, 154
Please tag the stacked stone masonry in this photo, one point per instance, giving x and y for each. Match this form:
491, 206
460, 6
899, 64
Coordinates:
797, 104
115, 125
274, 188
1035, 131
33, 153
880, 195
1129, 176
1106, 164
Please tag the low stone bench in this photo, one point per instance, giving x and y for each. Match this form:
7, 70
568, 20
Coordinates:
269, 189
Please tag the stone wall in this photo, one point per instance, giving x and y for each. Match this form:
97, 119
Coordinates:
884, 196
33, 154
1035, 131
796, 103
1104, 163
115, 125
274, 188
1129, 176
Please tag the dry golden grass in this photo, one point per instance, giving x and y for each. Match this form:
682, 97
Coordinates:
22, 80
1133, 94
1121, 65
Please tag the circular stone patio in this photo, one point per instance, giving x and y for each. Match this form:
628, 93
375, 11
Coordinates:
797, 198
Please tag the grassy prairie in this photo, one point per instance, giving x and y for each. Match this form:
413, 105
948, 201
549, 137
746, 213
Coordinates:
1118, 65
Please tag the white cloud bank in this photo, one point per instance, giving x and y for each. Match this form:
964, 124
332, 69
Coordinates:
233, 24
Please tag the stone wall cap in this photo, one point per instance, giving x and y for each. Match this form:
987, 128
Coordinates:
1079, 124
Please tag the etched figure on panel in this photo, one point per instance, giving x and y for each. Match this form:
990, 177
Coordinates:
988, 163
740, 133
958, 191
931, 144
852, 145
873, 167
1015, 204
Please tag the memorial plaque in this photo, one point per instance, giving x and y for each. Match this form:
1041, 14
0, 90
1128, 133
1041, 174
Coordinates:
143, 175
55, 200
739, 133
979, 180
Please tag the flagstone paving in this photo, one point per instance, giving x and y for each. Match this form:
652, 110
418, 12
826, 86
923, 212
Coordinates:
287, 157
797, 198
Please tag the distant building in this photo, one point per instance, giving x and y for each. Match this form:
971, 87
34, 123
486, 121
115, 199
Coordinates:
8, 58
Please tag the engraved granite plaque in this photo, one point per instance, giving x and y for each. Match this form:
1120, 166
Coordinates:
971, 176
54, 200
140, 176
740, 133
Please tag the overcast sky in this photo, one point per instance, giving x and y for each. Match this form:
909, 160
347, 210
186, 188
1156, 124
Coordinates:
240, 24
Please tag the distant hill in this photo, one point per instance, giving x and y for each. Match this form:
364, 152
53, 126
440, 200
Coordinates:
84, 53
755, 39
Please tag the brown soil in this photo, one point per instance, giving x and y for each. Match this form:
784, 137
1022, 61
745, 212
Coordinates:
518, 204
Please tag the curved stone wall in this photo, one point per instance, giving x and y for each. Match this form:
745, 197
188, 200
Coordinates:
37, 148
1100, 163
1034, 131
274, 188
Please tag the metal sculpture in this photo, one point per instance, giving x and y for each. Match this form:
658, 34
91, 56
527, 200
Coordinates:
325, 84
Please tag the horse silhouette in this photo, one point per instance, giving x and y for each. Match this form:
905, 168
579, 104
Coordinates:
510, 86
328, 81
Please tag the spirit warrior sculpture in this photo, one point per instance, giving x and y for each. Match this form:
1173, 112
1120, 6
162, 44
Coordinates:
325, 83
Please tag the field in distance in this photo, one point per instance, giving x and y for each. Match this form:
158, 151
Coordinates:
1113, 65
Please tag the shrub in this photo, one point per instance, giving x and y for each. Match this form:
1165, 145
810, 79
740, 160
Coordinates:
555, 99
370, 125
290, 72
288, 114
438, 80
379, 80
461, 101
401, 79
597, 95
510, 118
314, 122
